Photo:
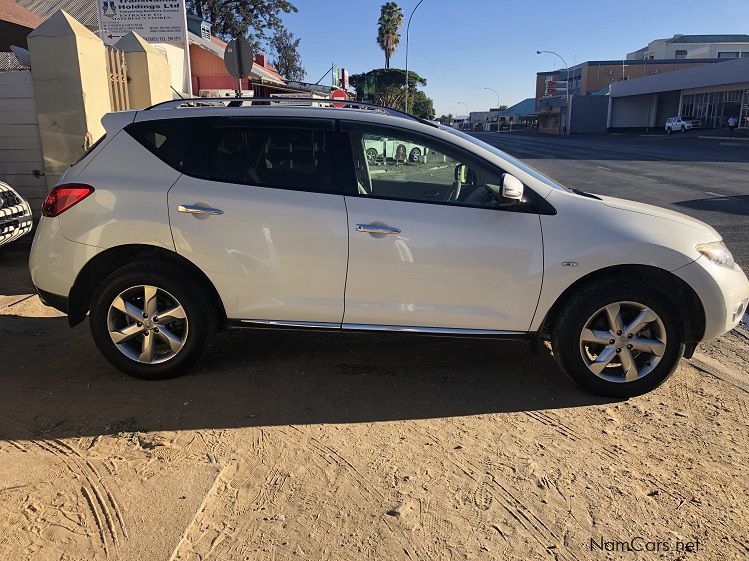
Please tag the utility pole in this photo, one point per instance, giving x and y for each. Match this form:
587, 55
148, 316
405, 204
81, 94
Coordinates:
408, 28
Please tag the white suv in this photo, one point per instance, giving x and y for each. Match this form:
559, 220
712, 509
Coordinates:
187, 220
682, 124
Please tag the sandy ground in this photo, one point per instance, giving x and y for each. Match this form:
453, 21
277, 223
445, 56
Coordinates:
295, 446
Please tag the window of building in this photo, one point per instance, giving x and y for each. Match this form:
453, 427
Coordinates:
680, 54
728, 54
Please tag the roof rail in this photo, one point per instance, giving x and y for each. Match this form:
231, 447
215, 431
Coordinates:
283, 101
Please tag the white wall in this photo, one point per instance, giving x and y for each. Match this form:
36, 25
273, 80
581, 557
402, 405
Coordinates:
20, 148
632, 111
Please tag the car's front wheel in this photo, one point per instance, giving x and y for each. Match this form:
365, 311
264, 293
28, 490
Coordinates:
668, 130
152, 321
618, 340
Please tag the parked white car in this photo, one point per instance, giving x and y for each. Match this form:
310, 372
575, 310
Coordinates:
392, 150
15, 216
682, 124
188, 220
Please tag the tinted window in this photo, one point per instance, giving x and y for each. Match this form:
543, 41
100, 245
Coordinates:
175, 141
273, 157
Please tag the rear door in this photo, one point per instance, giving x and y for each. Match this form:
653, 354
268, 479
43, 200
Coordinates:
260, 212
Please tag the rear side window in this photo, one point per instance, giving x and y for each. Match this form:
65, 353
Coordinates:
286, 158
177, 142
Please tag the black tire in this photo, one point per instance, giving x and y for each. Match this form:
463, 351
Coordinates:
372, 155
415, 155
683, 128
668, 130
570, 323
189, 292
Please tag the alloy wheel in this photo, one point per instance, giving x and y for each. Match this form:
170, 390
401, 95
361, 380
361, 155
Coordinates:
147, 324
623, 342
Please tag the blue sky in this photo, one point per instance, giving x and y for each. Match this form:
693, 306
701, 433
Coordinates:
463, 46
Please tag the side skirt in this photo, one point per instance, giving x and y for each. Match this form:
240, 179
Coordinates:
364, 328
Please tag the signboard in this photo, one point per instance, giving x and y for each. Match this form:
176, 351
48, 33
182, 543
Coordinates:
339, 94
238, 58
156, 21
555, 87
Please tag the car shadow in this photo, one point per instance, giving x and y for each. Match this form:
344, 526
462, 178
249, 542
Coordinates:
55, 383
737, 204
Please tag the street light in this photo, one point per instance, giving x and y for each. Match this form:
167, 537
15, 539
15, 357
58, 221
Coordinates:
567, 106
408, 28
495, 93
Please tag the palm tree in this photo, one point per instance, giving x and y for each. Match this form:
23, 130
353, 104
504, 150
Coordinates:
391, 20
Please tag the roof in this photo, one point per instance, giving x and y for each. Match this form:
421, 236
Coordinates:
82, 10
733, 71
11, 11
217, 47
739, 38
634, 62
525, 107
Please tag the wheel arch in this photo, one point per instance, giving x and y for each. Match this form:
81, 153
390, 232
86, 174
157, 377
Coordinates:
676, 290
108, 261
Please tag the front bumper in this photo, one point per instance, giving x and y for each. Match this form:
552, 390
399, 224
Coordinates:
15, 221
724, 294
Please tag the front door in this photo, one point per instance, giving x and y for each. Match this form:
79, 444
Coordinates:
430, 247
265, 220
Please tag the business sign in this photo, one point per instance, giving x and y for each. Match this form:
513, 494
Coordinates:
156, 21
555, 87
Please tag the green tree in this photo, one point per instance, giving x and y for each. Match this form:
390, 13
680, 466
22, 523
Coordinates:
247, 19
386, 86
388, 36
285, 55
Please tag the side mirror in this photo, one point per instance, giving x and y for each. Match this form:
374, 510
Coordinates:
512, 188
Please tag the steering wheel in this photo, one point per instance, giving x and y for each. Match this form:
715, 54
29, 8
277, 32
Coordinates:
481, 195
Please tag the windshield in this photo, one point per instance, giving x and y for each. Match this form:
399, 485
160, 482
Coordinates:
505, 156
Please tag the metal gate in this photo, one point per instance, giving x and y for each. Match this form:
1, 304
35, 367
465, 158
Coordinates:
117, 76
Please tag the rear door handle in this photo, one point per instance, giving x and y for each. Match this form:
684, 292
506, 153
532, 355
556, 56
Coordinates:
377, 229
192, 209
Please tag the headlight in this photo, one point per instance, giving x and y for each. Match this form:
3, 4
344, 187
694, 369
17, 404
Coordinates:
718, 253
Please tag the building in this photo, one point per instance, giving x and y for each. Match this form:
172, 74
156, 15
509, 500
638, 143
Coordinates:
694, 46
594, 78
16, 22
711, 92
519, 116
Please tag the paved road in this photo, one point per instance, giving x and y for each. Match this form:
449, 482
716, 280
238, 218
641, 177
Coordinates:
704, 178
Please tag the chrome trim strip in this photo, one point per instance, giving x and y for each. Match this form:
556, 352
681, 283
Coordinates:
432, 330
311, 324
378, 328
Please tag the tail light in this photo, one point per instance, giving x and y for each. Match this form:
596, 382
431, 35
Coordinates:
62, 197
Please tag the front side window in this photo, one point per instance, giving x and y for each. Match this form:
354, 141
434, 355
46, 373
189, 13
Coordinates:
394, 166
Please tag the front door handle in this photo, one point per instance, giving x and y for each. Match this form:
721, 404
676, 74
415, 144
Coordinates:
377, 229
193, 209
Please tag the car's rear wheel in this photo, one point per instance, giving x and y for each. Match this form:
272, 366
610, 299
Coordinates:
152, 321
683, 128
415, 155
618, 339
668, 130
